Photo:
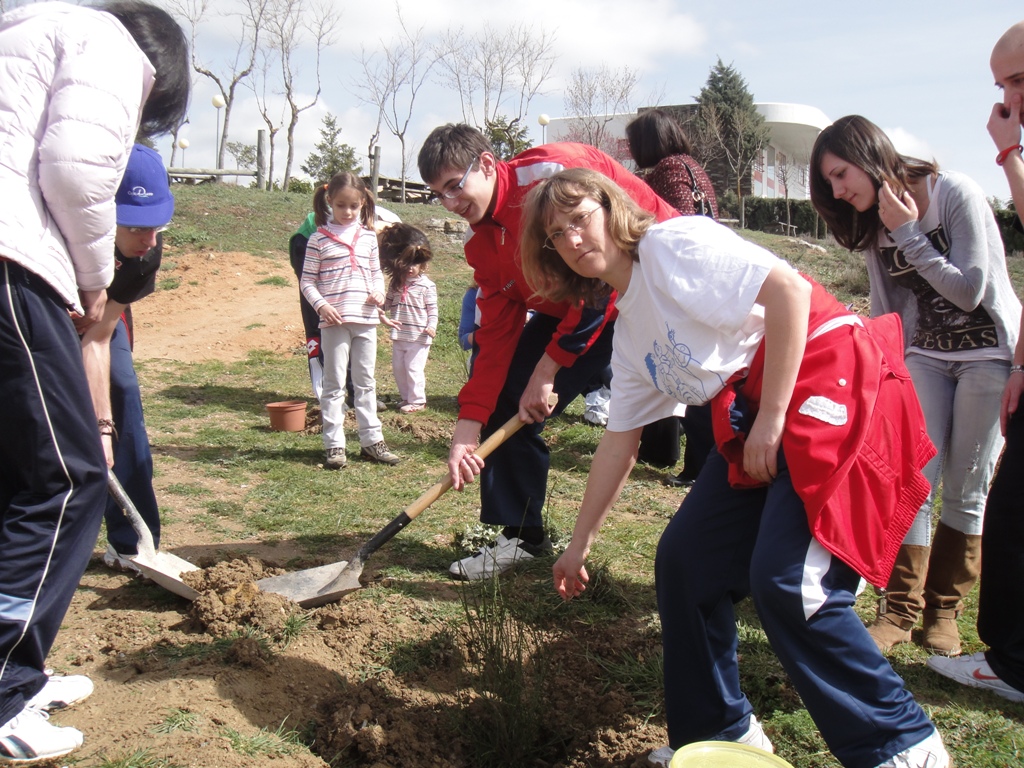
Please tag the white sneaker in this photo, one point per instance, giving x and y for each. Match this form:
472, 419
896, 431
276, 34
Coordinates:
596, 406
497, 557
114, 559
930, 753
30, 738
61, 692
974, 670
754, 737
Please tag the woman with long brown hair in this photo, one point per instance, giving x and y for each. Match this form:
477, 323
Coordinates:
934, 256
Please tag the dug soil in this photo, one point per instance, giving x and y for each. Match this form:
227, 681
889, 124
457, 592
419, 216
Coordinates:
192, 686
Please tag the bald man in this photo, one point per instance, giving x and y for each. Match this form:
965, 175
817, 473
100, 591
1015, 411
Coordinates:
1000, 669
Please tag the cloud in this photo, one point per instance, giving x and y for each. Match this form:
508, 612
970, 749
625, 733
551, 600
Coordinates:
907, 143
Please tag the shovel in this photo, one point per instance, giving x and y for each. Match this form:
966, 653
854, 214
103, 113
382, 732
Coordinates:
163, 568
328, 583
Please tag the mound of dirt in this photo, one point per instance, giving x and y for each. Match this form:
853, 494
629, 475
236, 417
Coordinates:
229, 600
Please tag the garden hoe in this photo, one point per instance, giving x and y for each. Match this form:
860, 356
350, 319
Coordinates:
328, 583
161, 567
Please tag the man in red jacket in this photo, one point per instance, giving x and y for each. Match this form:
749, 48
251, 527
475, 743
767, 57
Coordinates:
520, 363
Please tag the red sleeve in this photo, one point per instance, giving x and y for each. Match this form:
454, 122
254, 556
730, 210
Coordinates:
501, 325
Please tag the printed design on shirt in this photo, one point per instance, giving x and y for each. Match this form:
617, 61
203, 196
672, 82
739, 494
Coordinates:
674, 371
941, 325
824, 409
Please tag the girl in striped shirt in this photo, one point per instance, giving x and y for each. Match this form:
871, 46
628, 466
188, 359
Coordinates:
412, 302
342, 281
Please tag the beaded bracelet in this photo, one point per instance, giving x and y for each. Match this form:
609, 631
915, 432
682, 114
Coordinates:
106, 426
1001, 157
1016, 369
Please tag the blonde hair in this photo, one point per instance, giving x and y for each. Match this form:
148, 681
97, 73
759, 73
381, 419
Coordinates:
547, 274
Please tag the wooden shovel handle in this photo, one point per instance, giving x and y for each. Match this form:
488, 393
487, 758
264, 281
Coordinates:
500, 435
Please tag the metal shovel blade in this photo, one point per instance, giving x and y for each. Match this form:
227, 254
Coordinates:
162, 568
165, 569
303, 587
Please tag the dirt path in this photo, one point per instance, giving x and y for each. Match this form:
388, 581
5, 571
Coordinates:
226, 304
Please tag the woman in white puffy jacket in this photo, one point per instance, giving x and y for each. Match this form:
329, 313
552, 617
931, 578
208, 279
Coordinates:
77, 85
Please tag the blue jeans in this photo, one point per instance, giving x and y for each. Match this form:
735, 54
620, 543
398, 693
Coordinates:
960, 401
133, 460
724, 544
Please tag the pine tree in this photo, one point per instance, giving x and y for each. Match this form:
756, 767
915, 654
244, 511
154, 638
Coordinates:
329, 156
507, 138
727, 114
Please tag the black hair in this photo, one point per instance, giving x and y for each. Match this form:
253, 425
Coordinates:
860, 142
654, 135
163, 41
450, 147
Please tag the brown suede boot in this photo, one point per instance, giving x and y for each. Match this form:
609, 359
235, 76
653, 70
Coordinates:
901, 603
952, 571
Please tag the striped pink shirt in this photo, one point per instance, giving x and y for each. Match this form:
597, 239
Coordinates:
342, 269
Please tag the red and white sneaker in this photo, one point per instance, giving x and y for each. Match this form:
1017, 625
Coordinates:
974, 670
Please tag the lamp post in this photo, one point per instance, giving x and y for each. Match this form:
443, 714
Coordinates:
218, 102
183, 145
544, 120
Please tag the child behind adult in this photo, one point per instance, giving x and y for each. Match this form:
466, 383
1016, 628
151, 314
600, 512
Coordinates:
343, 282
412, 300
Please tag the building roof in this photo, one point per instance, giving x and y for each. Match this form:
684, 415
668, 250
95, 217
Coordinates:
794, 127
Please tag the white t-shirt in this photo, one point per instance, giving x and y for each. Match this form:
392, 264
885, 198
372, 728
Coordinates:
688, 320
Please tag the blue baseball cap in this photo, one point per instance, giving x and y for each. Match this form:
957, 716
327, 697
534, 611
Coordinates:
144, 198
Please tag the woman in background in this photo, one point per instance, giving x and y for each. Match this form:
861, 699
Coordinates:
662, 153
934, 256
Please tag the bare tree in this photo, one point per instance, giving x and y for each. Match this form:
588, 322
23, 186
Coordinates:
290, 25
391, 80
274, 123
785, 174
496, 72
174, 139
251, 17
594, 97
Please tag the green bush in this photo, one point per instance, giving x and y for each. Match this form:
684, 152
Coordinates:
300, 186
1012, 239
765, 214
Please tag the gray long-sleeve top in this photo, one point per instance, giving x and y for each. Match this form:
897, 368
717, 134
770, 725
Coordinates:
967, 270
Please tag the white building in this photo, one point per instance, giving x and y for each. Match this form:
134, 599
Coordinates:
783, 163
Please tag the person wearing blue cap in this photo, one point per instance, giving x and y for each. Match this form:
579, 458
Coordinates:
145, 206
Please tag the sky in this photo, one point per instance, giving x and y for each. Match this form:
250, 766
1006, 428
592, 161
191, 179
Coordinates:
917, 68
